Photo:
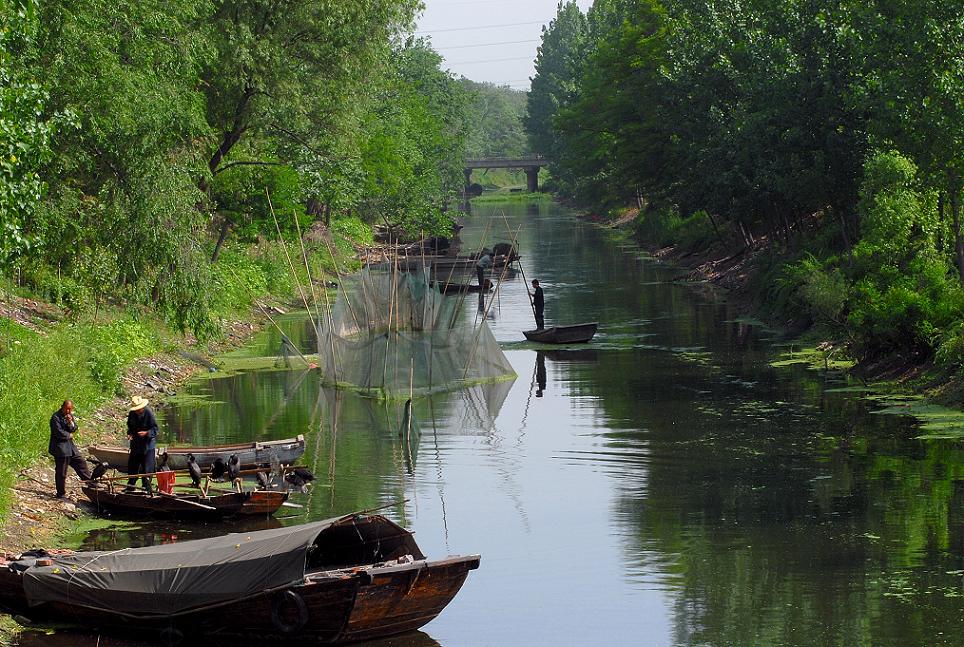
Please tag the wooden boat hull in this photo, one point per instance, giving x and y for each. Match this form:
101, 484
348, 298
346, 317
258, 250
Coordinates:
404, 598
285, 451
268, 617
457, 288
186, 506
578, 334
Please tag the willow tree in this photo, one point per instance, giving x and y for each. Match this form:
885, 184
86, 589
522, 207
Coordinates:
286, 73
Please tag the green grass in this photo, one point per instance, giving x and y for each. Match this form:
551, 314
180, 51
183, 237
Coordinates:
80, 362
513, 197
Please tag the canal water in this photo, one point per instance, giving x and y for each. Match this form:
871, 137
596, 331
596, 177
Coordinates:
664, 485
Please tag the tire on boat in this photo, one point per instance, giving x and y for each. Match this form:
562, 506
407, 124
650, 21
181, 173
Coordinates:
171, 636
289, 613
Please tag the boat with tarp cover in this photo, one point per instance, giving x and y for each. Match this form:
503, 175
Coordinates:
351, 578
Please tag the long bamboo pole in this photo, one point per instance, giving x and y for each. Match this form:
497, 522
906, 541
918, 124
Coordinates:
291, 266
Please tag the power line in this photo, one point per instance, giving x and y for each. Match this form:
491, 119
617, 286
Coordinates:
508, 42
491, 60
516, 24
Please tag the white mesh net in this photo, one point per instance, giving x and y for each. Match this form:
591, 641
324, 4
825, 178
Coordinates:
391, 333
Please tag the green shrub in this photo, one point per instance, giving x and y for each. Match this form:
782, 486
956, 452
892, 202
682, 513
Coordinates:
810, 287
658, 226
113, 346
911, 309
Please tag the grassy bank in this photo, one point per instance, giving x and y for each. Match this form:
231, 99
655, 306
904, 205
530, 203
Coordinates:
522, 196
75, 355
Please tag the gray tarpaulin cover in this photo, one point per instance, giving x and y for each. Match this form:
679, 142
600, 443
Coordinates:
163, 580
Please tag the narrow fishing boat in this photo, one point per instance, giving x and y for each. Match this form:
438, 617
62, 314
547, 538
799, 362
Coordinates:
194, 505
577, 334
457, 288
346, 579
252, 454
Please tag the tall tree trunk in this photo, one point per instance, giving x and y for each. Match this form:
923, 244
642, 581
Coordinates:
232, 135
953, 193
719, 236
225, 226
787, 231
939, 243
843, 232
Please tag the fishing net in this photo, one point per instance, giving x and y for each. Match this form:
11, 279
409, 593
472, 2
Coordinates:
391, 333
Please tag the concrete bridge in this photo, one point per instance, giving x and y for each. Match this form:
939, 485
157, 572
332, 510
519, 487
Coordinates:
530, 165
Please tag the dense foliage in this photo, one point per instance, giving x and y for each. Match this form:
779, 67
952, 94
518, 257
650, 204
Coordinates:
829, 131
495, 114
137, 137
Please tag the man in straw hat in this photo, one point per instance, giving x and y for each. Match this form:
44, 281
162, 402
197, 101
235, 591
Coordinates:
142, 434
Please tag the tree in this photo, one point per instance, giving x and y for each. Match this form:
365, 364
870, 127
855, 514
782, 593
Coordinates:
557, 70
494, 116
25, 130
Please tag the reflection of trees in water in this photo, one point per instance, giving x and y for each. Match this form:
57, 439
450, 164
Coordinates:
794, 518
361, 446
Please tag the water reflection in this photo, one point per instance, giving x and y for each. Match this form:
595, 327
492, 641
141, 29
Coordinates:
540, 373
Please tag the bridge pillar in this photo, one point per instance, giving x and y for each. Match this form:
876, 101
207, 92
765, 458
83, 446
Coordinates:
468, 177
532, 179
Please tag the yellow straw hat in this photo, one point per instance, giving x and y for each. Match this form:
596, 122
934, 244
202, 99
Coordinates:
137, 403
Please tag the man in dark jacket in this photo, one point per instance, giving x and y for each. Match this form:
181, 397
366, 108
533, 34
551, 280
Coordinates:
538, 304
142, 434
62, 447
482, 266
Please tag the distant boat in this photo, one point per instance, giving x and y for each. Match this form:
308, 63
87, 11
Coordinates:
457, 288
184, 505
577, 334
253, 454
349, 579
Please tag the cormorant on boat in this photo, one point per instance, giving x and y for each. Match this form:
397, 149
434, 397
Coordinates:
100, 468
263, 480
234, 468
300, 478
194, 469
218, 468
163, 467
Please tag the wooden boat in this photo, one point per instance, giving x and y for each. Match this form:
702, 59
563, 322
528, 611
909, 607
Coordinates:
194, 505
578, 334
285, 451
346, 579
457, 288
442, 266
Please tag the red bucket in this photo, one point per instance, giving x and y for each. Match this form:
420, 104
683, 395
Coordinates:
165, 482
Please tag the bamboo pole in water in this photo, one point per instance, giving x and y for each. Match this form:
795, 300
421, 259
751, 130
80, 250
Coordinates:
291, 266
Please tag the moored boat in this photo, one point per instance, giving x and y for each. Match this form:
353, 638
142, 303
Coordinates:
351, 578
195, 505
251, 454
577, 334
457, 288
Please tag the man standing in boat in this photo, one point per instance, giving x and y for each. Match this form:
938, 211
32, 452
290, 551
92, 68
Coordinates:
62, 447
142, 434
538, 304
485, 262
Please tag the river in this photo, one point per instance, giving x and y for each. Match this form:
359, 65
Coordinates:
664, 485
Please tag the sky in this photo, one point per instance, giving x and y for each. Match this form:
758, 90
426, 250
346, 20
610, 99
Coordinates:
489, 40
